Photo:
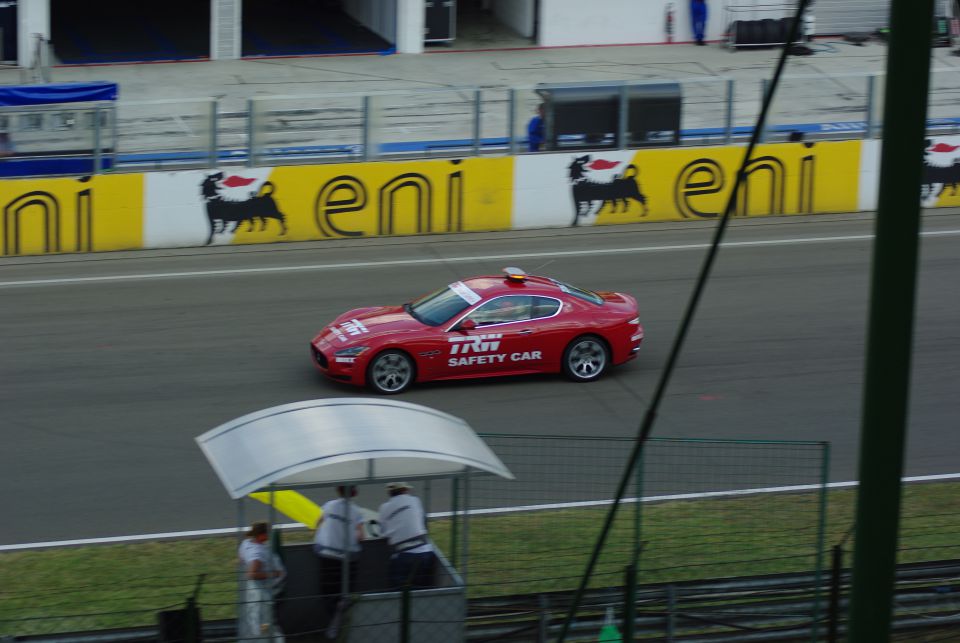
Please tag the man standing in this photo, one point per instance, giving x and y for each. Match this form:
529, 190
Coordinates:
698, 14
338, 538
404, 525
535, 131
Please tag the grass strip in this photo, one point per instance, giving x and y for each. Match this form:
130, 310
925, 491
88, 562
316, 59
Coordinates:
108, 586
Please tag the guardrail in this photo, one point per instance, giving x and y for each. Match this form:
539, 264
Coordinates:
447, 122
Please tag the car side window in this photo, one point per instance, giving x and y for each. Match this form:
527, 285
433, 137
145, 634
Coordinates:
544, 307
502, 310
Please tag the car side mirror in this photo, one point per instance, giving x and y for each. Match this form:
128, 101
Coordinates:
467, 324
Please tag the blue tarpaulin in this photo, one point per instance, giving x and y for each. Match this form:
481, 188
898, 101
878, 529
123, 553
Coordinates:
52, 93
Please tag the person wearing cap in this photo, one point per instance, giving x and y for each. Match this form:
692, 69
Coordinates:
338, 536
263, 577
404, 525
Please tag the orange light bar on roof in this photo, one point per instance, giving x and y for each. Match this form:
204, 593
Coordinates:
514, 274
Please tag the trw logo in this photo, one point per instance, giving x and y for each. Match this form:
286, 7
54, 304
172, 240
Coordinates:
475, 344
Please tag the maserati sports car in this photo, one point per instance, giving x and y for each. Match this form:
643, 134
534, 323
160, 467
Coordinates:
510, 324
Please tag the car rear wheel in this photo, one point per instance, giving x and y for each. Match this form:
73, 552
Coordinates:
391, 372
585, 359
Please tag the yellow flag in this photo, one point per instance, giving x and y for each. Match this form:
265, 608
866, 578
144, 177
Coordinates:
292, 504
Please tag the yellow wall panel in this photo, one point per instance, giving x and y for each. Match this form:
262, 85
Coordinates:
88, 214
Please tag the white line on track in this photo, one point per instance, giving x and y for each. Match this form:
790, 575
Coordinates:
475, 512
440, 260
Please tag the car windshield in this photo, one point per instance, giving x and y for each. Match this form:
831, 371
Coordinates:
580, 293
440, 306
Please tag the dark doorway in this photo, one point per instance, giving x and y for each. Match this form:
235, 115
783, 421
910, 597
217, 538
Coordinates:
303, 28
110, 31
8, 31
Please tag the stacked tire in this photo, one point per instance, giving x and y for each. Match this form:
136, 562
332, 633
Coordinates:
766, 32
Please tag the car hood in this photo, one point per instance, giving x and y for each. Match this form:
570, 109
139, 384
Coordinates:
364, 324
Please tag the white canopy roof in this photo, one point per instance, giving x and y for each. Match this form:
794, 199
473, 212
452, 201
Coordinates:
342, 440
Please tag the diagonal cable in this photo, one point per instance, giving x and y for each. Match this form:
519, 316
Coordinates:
646, 426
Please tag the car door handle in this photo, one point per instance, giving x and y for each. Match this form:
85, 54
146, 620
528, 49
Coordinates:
525, 331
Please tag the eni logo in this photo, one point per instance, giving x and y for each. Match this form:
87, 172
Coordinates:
764, 175
42, 211
347, 194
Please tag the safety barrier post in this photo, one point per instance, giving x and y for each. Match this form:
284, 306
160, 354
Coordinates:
871, 116
476, 121
763, 97
214, 134
251, 133
622, 118
97, 147
365, 142
114, 136
728, 124
512, 122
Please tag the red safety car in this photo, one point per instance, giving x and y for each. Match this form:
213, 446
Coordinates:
495, 325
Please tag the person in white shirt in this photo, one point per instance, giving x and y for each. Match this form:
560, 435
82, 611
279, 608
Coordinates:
404, 525
338, 536
263, 576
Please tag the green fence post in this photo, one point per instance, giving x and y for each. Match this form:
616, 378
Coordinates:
893, 285
821, 537
405, 615
629, 602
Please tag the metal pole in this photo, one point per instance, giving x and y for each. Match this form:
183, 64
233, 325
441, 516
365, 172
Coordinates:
405, 614
465, 551
241, 520
671, 611
214, 134
476, 122
821, 535
97, 152
728, 124
455, 513
251, 133
115, 143
629, 602
543, 622
889, 341
512, 122
365, 129
763, 97
833, 618
622, 118
426, 499
871, 116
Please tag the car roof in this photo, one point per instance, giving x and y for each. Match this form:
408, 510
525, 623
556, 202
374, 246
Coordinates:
492, 286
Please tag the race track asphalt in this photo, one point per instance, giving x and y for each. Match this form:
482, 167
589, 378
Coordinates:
106, 382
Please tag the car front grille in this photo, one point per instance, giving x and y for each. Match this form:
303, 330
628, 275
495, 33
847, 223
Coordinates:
320, 358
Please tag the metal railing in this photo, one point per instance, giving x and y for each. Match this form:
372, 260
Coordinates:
423, 124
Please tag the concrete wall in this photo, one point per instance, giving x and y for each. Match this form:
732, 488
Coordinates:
34, 18
610, 22
516, 14
379, 16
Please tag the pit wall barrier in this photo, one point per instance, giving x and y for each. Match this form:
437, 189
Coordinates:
305, 203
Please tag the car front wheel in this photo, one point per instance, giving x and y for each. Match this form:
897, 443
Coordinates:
585, 359
390, 372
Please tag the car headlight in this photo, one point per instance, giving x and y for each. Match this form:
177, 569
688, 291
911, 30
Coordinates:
635, 320
353, 351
